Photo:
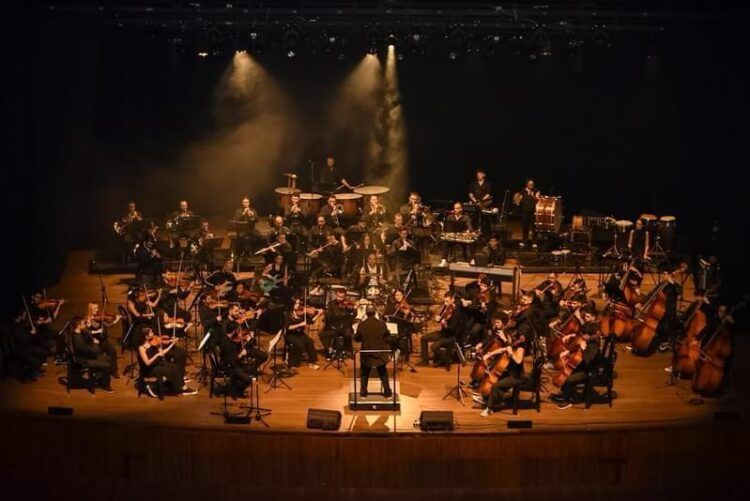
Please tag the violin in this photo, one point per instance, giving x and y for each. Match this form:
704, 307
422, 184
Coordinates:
46, 304
446, 313
161, 340
107, 318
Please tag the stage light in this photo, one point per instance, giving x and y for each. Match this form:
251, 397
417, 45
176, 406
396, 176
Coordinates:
291, 53
452, 55
254, 35
202, 54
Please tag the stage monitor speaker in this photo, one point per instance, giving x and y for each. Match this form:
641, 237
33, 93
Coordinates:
237, 419
322, 419
436, 421
519, 423
59, 411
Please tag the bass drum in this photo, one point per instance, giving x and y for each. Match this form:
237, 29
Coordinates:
310, 202
549, 214
350, 202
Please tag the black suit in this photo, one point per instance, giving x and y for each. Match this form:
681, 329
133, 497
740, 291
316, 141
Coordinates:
373, 334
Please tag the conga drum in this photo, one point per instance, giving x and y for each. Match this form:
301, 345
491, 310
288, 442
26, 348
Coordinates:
350, 202
622, 232
284, 197
649, 221
667, 226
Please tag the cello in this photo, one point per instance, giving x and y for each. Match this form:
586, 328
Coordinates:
688, 350
649, 316
498, 366
711, 367
571, 325
617, 318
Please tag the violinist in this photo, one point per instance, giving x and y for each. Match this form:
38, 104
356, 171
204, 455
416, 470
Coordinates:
588, 343
43, 312
297, 319
211, 311
224, 278
397, 307
451, 325
246, 217
639, 241
30, 356
456, 222
526, 200
513, 347
97, 323
482, 304
528, 319
669, 326
89, 354
550, 293
141, 311
170, 301
243, 296
174, 326
163, 360
241, 324
339, 318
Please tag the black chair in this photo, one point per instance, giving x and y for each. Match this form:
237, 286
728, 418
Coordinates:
77, 371
602, 375
532, 384
217, 370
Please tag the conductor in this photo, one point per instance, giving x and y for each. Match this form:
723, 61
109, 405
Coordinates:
373, 334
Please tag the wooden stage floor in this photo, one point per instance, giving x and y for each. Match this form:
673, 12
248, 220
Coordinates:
644, 398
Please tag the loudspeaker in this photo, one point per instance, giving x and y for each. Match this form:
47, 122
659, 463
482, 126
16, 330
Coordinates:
322, 419
436, 421
519, 423
234, 419
60, 411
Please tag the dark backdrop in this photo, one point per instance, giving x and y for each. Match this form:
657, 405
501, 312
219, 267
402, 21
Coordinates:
92, 114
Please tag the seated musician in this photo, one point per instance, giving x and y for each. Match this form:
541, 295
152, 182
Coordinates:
494, 252
277, 229
97, 325
400, 253
373, 334
243, 296
412, 210
317, 234
513, 374
451, 325
329, 258
376, 215
480, 190
371, 274
163, 360
140, 308
89, 354
333, 212
397, 307
639, 241
223, 278
282, 247
529, 318
176, 232
170, 301
296, 322
357, 253
29, 356
339, 317
589, 344
196, 245
242, 323
295, 217
549, 293
44, 311
247, 237
612, 287
211, 311
456, 222
173, 326
329, 178
131, 214
128, 239
389, 232
275, 274
481, 306
495, 332
669, 326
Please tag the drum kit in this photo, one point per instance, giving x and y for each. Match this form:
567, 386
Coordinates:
661, 228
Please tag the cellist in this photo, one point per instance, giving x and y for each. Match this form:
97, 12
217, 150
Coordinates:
515, 349
588, 343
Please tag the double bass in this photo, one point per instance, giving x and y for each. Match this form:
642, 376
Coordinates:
711, 367
571, 325
649, 316
617, 318
688, 350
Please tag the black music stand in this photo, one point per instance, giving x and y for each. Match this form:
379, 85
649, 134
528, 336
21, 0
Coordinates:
458, 391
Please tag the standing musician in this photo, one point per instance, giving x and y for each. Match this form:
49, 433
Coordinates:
89, 354
339, 319
456, 222
494, 252
165, 360
669, 326
526, 200
413, 210
96, 323
480, 195
150, 262
297, 320
588, 343
371, 274
373, 334
639, 241
329, 178
451, 327
549, 293
515, 348
248, 236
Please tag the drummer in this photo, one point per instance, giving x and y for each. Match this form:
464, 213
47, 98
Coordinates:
329, 179
371, 276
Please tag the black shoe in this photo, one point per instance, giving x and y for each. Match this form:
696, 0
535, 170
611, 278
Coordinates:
387, 393
447, 367
557, 398
107, 389
363, 394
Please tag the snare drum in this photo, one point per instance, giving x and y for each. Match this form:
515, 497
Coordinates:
373, 292
350, 202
